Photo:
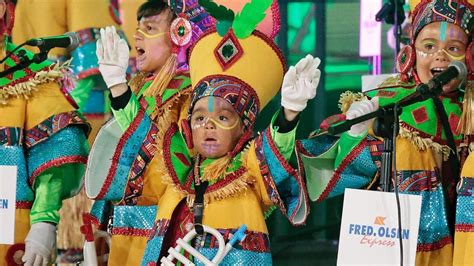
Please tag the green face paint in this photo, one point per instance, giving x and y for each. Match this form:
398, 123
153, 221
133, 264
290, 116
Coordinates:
442, 30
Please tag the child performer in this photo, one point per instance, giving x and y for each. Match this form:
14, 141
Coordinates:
213, 171
426, 154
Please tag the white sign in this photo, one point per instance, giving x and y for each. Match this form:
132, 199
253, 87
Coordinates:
370, 232
8, 176
370, 39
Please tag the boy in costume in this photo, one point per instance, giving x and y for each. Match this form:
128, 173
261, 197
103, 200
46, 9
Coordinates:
425, 156
214, 144
45, 137
164, 34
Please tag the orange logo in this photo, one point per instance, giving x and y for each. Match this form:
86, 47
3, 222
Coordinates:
380, 220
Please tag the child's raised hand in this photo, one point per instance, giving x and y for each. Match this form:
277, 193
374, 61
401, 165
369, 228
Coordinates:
112, 54
300, 84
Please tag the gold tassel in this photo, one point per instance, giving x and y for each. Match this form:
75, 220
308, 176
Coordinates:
217, 169
347, 98
26, 88
423, 144
239, 185
163, 78
136, 82
466, 123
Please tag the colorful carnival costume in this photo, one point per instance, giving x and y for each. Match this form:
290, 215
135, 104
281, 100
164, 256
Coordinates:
244, 184
84, 17
45, 137
152, 103
350, 161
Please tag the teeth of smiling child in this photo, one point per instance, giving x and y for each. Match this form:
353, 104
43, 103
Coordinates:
438, 69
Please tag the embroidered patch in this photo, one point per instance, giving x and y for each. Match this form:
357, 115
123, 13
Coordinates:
453, 123
420, 115
228, 51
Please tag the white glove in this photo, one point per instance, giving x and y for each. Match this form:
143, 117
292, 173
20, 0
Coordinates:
300, 83
112, 54
358, 109
39, 244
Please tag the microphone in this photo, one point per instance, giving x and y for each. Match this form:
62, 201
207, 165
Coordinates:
456, 69
69, 40
434, 87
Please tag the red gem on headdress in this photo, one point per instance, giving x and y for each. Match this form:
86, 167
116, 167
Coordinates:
406, 59
228, 51
181, 31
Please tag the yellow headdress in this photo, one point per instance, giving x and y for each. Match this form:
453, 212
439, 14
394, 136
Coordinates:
235, 62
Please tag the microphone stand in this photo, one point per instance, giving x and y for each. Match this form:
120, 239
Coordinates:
25, 61
386, 126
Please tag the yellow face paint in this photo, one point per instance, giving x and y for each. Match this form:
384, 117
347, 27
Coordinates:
150, 36
196, 124
453, 57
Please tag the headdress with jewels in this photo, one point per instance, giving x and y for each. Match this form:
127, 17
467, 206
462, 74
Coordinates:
191, 22
424, 12
236, 62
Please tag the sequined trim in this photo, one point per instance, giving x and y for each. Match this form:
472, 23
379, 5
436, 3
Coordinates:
87, 73
52, 125
270, 186
115, 159
465, 228
135, 182
56, 162
434, 246
269, 179
124, 231
276, 19
345, 162
24, 204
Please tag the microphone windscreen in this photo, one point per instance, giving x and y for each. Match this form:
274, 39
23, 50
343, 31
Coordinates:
74, 40
461, 67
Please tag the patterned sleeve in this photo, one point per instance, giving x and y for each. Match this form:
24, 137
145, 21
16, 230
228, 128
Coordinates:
280, 184
332, 164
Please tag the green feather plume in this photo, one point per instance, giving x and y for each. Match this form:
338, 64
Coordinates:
251, 15
222, 14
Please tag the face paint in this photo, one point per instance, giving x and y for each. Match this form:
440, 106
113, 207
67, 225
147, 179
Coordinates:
442, 30
210, 104
453, 57
205, 120
150, 36
215, 133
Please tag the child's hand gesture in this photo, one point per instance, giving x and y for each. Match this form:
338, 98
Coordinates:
300, 84
112, 54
